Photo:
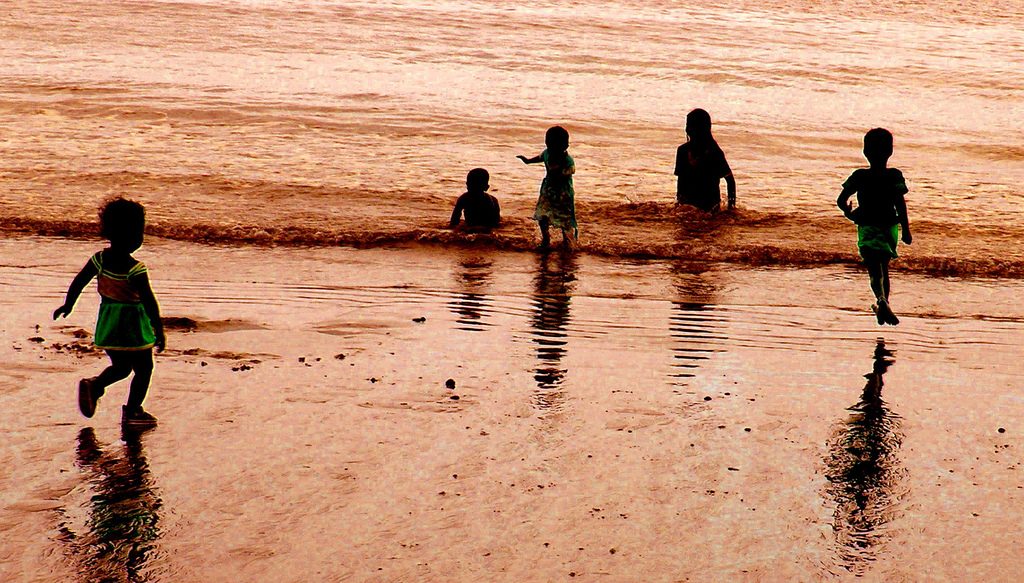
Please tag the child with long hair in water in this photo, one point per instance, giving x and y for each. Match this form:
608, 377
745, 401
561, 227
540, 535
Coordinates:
701, 165
128, 326
880, 215
556, 205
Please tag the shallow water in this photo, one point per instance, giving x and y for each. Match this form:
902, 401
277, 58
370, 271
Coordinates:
603, 405
356, 122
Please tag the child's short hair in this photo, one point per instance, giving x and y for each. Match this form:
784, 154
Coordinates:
557, 136
878, 141
477, 179
122, 220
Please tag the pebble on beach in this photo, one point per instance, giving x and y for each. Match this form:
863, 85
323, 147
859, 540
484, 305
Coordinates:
450, 383
420, 320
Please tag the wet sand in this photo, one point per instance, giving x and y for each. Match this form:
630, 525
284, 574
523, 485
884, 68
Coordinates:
615, 421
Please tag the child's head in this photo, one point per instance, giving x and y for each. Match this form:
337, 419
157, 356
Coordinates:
122, 222
698, 124
477, 180
878, 146
557, 139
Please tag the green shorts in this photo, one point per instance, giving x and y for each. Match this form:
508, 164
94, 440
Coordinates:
877, 243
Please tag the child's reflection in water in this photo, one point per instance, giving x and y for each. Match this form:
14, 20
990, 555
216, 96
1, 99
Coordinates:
472, 305
863, 469
122, 527
552, 295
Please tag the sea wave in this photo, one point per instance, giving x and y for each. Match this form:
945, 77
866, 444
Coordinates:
653, 231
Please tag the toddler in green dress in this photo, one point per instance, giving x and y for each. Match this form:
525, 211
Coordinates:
128, 326
556, 205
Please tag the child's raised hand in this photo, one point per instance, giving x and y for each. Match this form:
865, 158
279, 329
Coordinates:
523, 158
63, 311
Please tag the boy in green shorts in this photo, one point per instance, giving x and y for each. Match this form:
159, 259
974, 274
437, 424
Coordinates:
880, 215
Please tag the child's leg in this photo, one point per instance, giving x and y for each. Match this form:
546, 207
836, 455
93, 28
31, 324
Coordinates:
567, 240
119, 369
877, 271
545, 238
142, 364
885, 280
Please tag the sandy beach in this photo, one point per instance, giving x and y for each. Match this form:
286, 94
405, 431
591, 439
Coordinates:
353, 392
627, 421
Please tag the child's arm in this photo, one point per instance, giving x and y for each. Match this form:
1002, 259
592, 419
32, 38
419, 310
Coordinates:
843, 202
75, 289
534, 160
901, 208
730, 187
456, 214
141, 282
568, 168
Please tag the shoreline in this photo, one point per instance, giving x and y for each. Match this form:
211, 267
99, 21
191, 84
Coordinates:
743, 239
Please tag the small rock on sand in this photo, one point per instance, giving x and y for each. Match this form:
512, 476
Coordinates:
450, 383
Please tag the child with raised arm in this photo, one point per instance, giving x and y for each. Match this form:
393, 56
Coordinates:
128, 326
481, 210
556, 205
880, 215
701, 166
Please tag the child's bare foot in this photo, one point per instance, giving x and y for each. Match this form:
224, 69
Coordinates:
890, 317
884, 315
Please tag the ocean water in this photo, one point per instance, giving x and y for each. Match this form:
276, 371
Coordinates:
354, 122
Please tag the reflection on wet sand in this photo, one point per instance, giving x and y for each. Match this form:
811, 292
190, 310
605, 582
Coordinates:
121, 530
693, 322
863, 469
556, 272
471, 304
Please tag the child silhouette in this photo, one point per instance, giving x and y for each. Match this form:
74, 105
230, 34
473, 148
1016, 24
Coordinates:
701, 165
128, 326
556, 205
880, 215
481, 210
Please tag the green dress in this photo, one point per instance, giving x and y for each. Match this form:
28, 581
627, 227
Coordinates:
122, 323
557, 201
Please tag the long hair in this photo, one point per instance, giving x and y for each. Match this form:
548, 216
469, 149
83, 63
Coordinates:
698, 127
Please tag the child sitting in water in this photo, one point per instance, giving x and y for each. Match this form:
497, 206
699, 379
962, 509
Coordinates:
880, 208
701, 165
128, 325
481, 210
557, 202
